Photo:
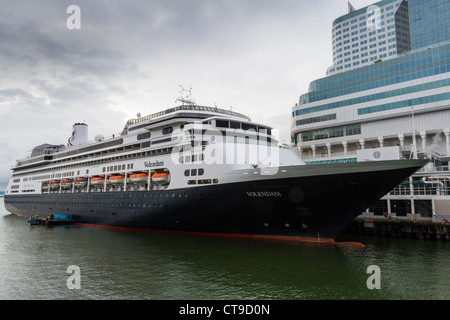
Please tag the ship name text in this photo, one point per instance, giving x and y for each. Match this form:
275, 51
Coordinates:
264, 194
149, 164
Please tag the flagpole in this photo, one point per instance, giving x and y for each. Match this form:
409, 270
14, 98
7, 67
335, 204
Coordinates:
414, 135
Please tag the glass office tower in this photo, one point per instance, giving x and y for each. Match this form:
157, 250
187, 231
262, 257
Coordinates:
429, 22
384, 98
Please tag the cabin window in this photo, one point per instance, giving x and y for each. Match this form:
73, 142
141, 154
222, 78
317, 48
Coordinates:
186, 173
167, 130
246, 126
145, 144
235, 125
144, 135
222, 123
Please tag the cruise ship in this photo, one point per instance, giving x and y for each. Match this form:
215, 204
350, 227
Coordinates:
196, 169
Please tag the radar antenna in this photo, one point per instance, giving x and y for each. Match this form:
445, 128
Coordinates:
188, 99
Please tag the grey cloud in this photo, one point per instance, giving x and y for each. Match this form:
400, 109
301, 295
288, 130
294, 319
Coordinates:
31, 48
129, 56
10, 95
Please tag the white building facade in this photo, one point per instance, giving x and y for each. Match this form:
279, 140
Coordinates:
401, 101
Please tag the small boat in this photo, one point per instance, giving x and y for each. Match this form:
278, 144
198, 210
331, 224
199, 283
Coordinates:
80, 182
97, 181
34, 220
160, 177
118, 179
52, 219
139, 177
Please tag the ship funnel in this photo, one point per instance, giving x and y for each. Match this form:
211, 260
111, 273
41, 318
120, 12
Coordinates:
79, 134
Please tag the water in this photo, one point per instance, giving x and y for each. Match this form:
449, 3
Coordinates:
140, 265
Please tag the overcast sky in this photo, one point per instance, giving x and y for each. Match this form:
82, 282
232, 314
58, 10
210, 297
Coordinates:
254, 56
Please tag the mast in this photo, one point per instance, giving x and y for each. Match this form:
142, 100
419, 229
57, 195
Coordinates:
414, 146
188, 100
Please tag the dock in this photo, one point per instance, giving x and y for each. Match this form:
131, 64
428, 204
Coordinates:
411, 226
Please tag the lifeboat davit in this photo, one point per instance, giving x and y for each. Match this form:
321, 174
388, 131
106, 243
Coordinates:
80, 182
139, 177
66, 183
97, 181
54, 184
160, 177
119, 179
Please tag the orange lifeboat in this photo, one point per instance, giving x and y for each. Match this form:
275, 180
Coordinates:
97, 181
66, 183
118, 179
139, 177
54, 184
160, 177
80, 182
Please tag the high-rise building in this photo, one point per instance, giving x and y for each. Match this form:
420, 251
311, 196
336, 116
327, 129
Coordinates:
367, 35
391, 82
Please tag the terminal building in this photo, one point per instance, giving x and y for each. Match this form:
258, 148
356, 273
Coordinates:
389, 86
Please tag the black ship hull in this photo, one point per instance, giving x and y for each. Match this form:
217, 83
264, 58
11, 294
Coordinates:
311, 207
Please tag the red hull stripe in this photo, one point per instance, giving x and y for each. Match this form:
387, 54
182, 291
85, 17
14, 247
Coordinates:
234, 235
